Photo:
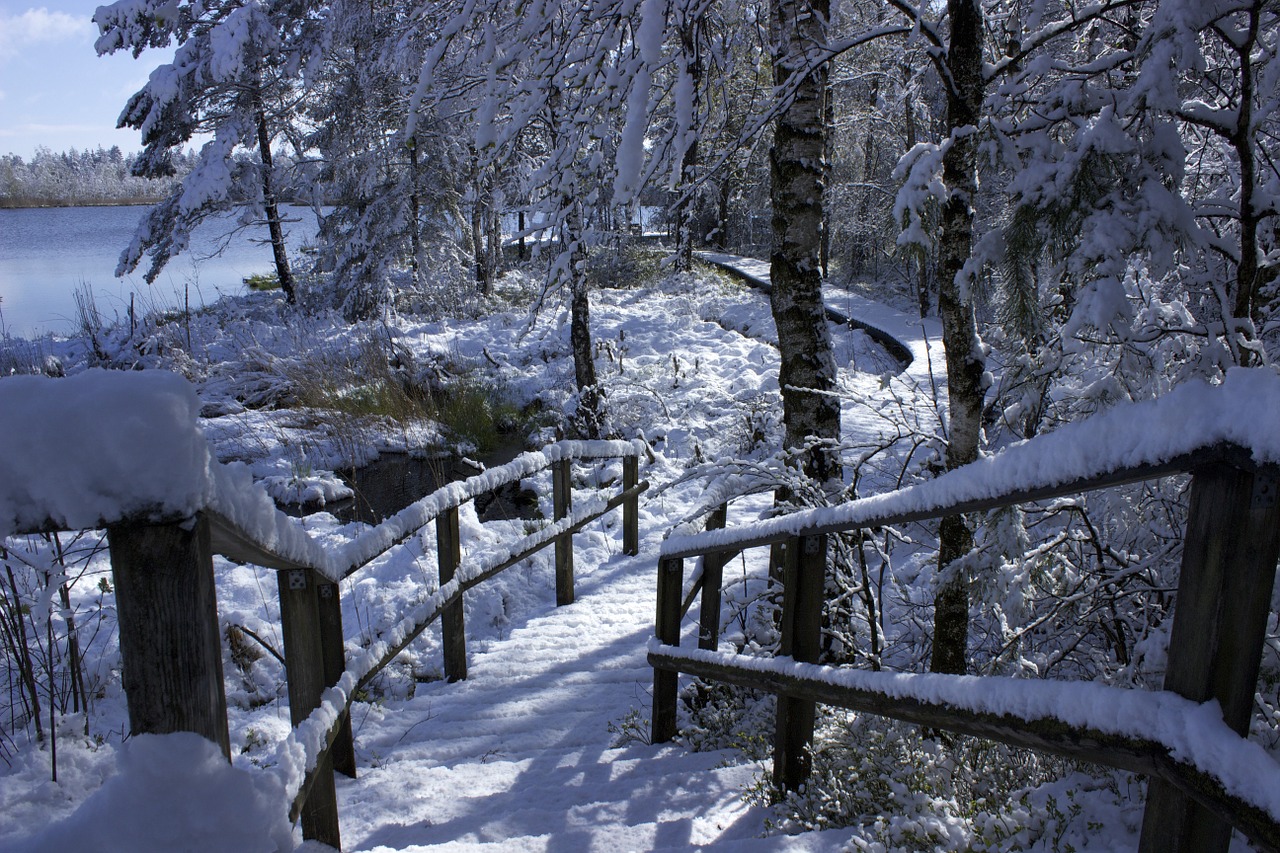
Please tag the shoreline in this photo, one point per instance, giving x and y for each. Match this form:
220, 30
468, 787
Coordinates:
34, 204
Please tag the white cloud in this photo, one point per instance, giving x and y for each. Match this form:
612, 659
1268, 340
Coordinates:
40, 26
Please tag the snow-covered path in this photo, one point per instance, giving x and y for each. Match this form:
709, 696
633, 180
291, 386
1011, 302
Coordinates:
521, 757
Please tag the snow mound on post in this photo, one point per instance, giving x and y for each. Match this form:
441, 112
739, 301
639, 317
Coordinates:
98, 447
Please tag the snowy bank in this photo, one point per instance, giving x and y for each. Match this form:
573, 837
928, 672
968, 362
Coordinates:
174, 792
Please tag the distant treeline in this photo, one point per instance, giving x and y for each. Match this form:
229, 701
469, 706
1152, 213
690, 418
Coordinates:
101, 176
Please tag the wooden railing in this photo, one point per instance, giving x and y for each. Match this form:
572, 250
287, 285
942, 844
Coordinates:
167, 604
1229, 562
315, 802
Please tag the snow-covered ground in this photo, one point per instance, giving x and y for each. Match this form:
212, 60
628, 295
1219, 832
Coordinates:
542, 748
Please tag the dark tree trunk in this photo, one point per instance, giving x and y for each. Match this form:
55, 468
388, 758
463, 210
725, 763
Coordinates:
415, 214
1247, 273
691, 47
965, 362
584, 366
722, 214
807, 373
270, 204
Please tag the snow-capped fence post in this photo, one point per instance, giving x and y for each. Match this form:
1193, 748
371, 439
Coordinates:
452, 629
1229, 559
804, 570
712, 581
631, 506
667, 630
334, 652
562, 502
170, 645
304, 666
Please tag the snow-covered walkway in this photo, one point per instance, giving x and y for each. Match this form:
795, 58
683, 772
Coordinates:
521, 757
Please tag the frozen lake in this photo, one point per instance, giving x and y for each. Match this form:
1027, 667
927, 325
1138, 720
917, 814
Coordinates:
46, 254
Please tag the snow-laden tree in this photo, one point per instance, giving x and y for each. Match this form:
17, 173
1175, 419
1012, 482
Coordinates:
941, 179
563, 93
387, 189
233, 77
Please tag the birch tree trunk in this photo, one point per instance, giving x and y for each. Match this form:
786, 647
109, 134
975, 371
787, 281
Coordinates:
811, 413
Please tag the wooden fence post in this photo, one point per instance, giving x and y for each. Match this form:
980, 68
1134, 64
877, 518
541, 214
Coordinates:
304, 662
712, 581
804, 574
667, 629
562, 503
170, 645
334, 652
1219, 625
453, 633
631, 507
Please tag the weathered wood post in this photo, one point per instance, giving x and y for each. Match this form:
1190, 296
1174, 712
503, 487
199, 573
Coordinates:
667, 629
170, 645
334, 652
1219, 625
804, 569
712, 581
453, 632
562, 503
304, 663
630, 507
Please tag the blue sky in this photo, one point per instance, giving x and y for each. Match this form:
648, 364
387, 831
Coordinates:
54, 89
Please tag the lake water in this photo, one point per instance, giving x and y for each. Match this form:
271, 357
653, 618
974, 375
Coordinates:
46, 254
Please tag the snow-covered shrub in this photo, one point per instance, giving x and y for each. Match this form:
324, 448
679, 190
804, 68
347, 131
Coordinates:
723, 716
907, 790
56, 634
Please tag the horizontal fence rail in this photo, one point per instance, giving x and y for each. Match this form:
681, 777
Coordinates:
1230, 554
886, 695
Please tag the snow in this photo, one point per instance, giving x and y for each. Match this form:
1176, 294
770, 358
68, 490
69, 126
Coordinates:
99, 447
173, 792
105, 446
520, 756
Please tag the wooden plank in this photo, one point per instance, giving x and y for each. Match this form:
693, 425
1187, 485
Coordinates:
630, 508
304, 662
1230, 454
562, 503
667, 630
1133, 754
232, 543
712, 584
334, 654
1219, 626
804, 573
170, 645
452, 630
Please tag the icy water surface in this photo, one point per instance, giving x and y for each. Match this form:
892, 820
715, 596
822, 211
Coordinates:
47, 253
